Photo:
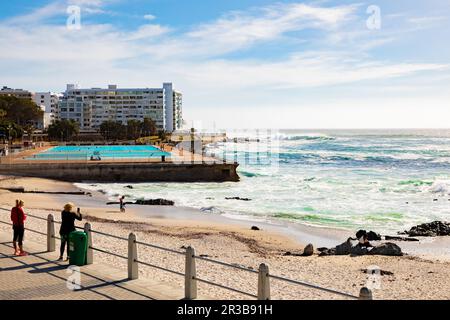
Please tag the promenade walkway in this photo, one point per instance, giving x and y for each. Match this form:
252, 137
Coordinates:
39, 276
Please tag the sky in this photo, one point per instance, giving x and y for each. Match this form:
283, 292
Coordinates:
247, 63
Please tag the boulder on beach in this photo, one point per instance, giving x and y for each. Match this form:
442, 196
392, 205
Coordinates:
255, 228
370, 236
431, 229
308, 251
356, 249
155, 202
387, 249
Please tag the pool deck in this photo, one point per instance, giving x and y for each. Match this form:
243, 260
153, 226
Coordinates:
176, 157
39, 276
179, 167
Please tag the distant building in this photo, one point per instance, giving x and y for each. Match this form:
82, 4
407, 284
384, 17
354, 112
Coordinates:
49, 103
18, 93
91, 107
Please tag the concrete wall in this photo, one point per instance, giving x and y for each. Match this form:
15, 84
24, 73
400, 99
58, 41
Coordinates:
123, 172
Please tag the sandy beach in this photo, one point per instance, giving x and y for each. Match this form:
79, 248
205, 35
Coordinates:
423, 273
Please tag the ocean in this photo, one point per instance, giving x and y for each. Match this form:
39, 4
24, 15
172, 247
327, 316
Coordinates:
383, 180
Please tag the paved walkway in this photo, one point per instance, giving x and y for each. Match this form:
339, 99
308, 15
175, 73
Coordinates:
38, 276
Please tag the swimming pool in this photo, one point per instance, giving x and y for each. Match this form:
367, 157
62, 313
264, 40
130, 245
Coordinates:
102, 152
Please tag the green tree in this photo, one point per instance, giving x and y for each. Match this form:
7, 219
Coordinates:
10, 130
21, 111
162, 135
63, 130
112, 130
134, 129
149, 128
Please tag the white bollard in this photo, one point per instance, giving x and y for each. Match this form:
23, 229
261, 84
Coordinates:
51, 241
133, 265
365, 294
263, 282
190, 283
90, 252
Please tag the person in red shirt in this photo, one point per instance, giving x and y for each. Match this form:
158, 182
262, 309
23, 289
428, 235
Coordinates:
18, 218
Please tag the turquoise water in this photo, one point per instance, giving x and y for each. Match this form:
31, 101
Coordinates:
104, 152
382, 180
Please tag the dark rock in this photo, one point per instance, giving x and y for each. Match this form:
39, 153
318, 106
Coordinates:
155, 202
344, 248
372, 236
361, 233
238, 198
308, 251
254, 228
358, 250
129, 187
293, 254
392, 238
322, 249
432, 229
387, 249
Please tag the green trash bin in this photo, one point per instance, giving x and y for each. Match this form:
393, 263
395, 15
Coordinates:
77, 248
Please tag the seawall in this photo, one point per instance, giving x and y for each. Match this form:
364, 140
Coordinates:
125, 172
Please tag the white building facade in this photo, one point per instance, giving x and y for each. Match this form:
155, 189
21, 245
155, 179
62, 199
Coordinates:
48, 101
91, 107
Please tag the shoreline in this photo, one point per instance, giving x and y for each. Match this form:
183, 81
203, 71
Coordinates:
295, 235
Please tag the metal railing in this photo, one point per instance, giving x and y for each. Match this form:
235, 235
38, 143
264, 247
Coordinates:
190, 274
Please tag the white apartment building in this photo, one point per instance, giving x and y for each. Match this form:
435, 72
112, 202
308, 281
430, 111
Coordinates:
91, 107
48, 101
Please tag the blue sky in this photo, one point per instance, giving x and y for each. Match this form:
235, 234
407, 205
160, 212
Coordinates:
247, 63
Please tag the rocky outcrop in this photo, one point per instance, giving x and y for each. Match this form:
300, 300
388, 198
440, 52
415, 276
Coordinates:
386, 249
238, 198
350, 247
150, 202
431, 229
155, 202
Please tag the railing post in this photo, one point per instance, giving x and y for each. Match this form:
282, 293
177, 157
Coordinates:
263, 282
365, 294
133, 271
51, 241
190, 282
90, 252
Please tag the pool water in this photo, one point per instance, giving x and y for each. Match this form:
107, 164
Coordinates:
104, 152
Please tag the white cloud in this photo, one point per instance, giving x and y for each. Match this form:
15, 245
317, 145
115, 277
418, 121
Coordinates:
149, 17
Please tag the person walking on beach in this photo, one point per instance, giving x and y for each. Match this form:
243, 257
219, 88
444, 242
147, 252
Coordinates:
122, 203
18, 218
67, 226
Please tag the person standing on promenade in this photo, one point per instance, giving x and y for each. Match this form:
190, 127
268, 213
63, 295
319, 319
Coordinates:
18, 218
67, 226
